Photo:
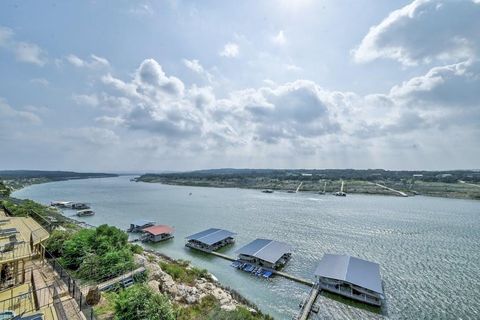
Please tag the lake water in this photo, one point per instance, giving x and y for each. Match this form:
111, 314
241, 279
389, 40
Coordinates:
428, 248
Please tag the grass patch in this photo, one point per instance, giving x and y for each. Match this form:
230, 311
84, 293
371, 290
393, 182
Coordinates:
106, 308
181, 271
209, 309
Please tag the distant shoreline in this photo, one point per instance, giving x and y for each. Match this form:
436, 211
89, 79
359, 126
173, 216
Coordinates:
451, 190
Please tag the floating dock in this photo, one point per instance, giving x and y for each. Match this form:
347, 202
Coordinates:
279, 273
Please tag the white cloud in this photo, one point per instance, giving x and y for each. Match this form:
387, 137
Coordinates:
299, 117
279, 38
40, 81
293, 67
92, 135
151, 77
85, 99
95, 62
143, 9
423, 31
193, 65
196, 67
230, 50
24, 51
456, 85
113, 121
9, 114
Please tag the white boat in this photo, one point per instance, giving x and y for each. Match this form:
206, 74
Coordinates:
85, 213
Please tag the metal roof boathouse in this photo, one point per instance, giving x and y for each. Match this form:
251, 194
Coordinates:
210, 240
265, 253
351, 277
157, 233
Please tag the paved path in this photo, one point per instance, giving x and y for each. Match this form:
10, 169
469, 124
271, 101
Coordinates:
403, 194
470, 184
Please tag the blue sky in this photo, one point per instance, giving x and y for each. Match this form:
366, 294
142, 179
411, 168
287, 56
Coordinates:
178, 85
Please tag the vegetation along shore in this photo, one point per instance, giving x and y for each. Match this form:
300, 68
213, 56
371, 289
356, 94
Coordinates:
165, 289
463, 184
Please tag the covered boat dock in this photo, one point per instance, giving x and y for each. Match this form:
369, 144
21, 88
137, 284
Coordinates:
139, 225
157, 233
351, 277
210, 240
265, 253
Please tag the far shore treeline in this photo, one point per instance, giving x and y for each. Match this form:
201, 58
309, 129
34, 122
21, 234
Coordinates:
450, 184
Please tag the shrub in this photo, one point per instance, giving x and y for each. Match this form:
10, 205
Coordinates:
180, 271
56, 241
141, 302
95, 254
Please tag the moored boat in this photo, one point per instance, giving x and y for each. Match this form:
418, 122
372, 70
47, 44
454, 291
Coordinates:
85, 213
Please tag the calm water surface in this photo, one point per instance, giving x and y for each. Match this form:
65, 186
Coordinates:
428, 248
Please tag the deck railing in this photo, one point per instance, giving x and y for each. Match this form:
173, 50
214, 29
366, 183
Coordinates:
73, 286
30, 301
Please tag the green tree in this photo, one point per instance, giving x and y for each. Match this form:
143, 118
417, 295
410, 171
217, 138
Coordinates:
56, 242
4, 190
141, 302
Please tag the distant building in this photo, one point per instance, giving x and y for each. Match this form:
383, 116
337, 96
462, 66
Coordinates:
306, 174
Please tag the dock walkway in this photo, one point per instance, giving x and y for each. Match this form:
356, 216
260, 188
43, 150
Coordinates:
308, 305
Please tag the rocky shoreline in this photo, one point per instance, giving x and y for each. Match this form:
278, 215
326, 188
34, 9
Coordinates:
188, 294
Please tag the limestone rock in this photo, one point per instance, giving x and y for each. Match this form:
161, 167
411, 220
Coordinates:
93, 296
155, 285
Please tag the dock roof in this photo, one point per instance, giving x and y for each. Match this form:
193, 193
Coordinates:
159, 229
264, 249
142, 222
353, 270
211, 236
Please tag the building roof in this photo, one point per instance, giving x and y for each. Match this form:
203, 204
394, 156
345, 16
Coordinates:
142, 222
211, 236
159, 229
356, 271
264, 249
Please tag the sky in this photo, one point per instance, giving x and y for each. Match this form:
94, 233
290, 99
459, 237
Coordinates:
183, 85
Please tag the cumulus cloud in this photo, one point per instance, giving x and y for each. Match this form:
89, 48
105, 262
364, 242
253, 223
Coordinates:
423, 31
230, 50
151, 77
294, 117
95, 62
455, 85
24, 51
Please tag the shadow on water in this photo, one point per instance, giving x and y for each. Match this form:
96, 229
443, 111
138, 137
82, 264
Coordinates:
356, 304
